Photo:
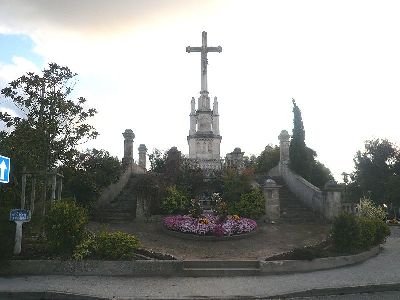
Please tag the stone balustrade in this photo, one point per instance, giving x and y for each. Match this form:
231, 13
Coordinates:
326, 202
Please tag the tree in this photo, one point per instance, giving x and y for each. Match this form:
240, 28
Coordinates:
88, 173
377, 172
55, 123
157, 161
268, 159
52, 124
299, 154
302, 158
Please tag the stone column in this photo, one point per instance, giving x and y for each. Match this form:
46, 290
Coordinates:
192, 129
284, 143
272, 203
215, 124
333, 200
128, 146
142, 156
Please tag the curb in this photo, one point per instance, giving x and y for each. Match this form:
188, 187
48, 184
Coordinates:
293, 266
49, 295
208, 238
194, 268
387, 287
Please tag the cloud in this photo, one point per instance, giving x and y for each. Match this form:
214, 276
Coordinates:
97, 16
17, 68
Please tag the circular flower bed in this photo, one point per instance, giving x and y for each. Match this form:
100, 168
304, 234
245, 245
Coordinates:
209, 224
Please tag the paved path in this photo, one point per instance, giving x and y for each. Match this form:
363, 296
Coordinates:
382, 269
269, 240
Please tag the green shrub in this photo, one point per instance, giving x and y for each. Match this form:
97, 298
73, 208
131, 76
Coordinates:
176, 202
382, 232
195, 209
346, 233
366, 208
251, 204
351, 233
107, 245
65, 226
368, 228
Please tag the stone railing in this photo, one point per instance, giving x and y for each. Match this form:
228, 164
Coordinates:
327, 202
112, 191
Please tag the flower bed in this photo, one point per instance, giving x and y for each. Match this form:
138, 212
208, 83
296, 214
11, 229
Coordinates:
209, 224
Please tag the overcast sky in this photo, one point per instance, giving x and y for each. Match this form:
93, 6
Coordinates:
340, 60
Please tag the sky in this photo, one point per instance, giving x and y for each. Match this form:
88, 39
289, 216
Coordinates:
340, 61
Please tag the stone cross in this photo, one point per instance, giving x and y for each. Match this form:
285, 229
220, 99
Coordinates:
204, 50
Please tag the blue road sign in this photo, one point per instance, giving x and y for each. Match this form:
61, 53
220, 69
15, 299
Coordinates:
4, 169
20, 215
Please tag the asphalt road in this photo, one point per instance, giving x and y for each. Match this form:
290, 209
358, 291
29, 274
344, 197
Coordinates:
364, 296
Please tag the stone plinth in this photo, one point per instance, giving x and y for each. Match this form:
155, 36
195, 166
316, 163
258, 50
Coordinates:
142, 155
128, 146
272, 203
333, 200
284, 144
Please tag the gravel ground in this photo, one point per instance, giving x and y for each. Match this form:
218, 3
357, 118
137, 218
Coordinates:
271, 239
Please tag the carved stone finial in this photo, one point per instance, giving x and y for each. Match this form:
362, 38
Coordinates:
128, 146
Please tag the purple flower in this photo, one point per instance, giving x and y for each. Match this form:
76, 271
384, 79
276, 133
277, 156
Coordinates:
229, 226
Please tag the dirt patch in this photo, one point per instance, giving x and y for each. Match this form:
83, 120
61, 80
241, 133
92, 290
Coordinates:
271, 239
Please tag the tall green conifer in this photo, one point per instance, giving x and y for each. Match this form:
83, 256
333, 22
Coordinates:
298, 154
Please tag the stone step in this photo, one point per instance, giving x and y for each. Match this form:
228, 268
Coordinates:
221, 272
221, 264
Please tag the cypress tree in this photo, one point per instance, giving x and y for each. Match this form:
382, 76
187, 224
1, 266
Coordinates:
298, 154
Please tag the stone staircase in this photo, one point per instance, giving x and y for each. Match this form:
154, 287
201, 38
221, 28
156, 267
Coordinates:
121, 209
221, 268
293, 211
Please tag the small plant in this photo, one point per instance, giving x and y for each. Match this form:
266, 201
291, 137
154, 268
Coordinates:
346, 233
65, 226
382, 232
251, 204
220, 208
366, 208
108, 245
176, 201
368, 227
195, 209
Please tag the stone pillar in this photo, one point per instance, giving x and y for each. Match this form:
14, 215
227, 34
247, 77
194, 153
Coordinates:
272, 203
128, 146
215, 120
333, 200
142, 156
284, 144
192, 129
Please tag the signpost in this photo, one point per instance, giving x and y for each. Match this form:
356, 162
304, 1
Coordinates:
4, 169
19, 216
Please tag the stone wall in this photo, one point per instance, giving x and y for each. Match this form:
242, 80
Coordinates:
327, 202
112, 191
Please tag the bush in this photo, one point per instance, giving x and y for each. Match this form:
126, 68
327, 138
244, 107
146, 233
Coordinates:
351, 233
382, 232
176, 202
220, 207
367, 232
65, 226
346, 233
251, 204
367, 208
107, 245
